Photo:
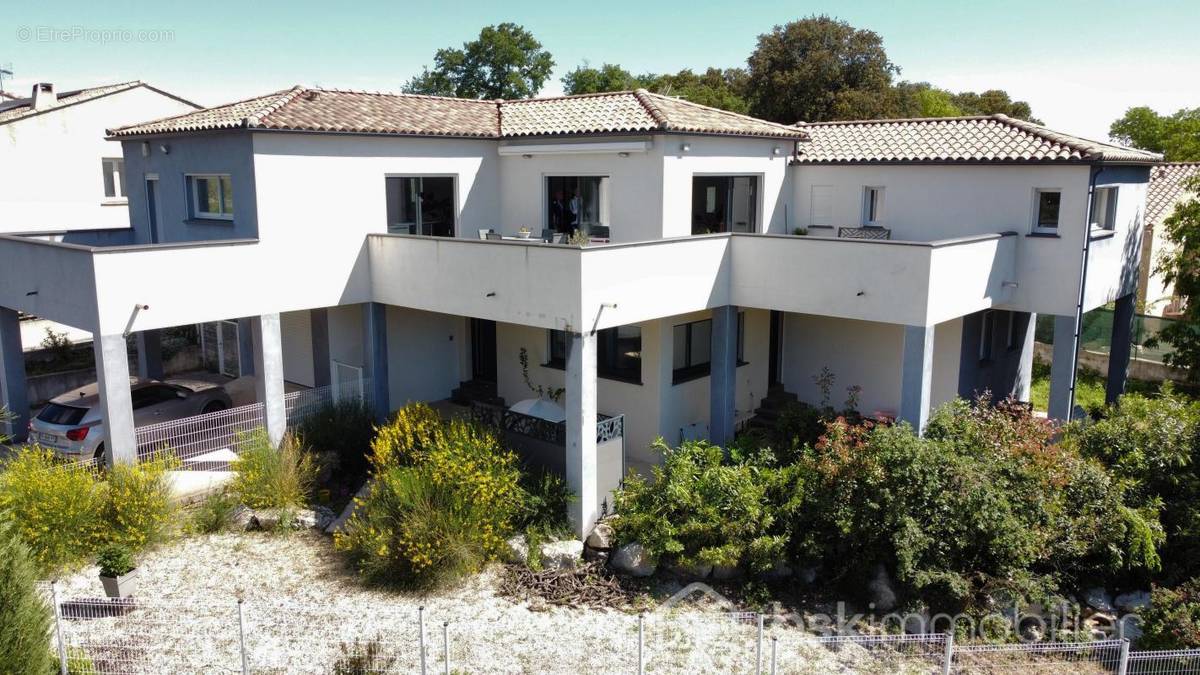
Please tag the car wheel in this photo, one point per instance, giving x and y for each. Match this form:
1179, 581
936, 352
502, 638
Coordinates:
99, 456
213, 406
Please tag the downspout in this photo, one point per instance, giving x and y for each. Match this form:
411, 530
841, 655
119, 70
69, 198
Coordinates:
1095, 171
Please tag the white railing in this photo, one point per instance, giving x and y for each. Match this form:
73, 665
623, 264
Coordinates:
1167, 662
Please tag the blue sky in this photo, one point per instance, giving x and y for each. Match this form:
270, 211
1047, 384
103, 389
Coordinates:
1080, 64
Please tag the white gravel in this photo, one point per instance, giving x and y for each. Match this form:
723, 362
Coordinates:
301, 605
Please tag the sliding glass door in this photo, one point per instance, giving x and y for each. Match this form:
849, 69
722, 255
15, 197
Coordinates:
724, 204
421, 205
577, 203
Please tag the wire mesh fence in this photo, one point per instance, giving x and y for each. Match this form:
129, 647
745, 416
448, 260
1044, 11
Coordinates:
1096, 333
100, 636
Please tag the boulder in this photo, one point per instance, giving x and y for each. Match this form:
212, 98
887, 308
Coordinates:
1130, 628
325, 516
1132, 601
696, 571
305, 519
243, 518
880, 590
601, 537
634, 560
562, 555
518, 549
1097, 598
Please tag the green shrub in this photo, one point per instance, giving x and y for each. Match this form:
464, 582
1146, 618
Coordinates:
115, 560
214, 514
1172, 621
272, 478
24, 617
544, 504
700, 510
444, 499
138, 504
1150, 444
344, 429
55, 508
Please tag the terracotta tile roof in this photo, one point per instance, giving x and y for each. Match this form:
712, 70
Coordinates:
994, 138
20, 108
1168, 186
301, 109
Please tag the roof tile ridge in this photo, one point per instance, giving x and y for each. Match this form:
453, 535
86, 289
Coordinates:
258, 117
656, 113
783, 127
159, 120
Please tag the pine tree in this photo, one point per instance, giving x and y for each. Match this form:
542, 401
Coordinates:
24, 617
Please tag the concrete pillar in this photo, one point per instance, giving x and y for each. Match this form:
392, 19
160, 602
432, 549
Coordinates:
581, 431
375, 356
1062, 370
245, 345
149, 354
116, 403
1122, 342
13, 392
319, 318
916, 376
1024, 380
722, 379
268, 374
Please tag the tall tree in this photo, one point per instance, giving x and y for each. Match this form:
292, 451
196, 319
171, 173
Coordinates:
608, 77
1176, 136
817, 69
1180, 266
506, 61
715, 87
992, 102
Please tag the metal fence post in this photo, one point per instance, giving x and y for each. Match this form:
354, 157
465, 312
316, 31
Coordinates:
421, 627
446, 645
758, 649
948, 655
1123, 663
242, 639
641, 643
774, 648
62, 647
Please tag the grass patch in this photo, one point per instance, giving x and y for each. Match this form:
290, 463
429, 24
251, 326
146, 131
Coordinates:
1089, 387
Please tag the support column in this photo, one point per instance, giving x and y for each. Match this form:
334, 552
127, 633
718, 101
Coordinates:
722, 379
375, 357
245, 345
268, 374
916, 376
149, 354
581, 431
13, 392
116, 402
1062, 370
1122, 341
319, 318
1024, 383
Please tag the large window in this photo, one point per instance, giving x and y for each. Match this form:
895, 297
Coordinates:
113, 170
577, 203
211, 196
420, 205
1045, 211
692, 348
618, 352
724, 204
1104, 208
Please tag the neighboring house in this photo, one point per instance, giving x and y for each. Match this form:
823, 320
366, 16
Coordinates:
57, 172
1168, 187
348, 233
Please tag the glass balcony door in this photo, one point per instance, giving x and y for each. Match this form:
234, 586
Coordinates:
421, 205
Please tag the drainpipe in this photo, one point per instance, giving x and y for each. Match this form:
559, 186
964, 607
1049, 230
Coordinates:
1095, 171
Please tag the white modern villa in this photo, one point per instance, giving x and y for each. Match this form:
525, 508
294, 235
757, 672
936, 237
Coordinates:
418, 246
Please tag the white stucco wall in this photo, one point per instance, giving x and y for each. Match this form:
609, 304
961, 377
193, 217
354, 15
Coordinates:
50, 166
423, 355
1113, 261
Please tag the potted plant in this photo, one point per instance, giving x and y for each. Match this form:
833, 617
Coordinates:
118, 572
524, 233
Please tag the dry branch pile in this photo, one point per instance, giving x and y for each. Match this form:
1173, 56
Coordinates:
588, 585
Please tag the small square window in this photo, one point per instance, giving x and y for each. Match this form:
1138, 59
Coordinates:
211, 196
1104, 208
1047, 204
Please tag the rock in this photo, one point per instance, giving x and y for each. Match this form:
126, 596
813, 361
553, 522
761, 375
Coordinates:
696, 571
271, 519
304, 519
563, 555
518, 549
634, 560
243, 518
918, 622
325, 516
1099, 599
1032, 632
726, 572
1130, 628
880, 591
1132, 601
601, 536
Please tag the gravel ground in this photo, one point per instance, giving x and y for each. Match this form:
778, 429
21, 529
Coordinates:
302, 607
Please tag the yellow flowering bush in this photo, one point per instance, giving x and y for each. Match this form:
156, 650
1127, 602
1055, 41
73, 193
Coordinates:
443, 501
55, 508
138, 508
266, 477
